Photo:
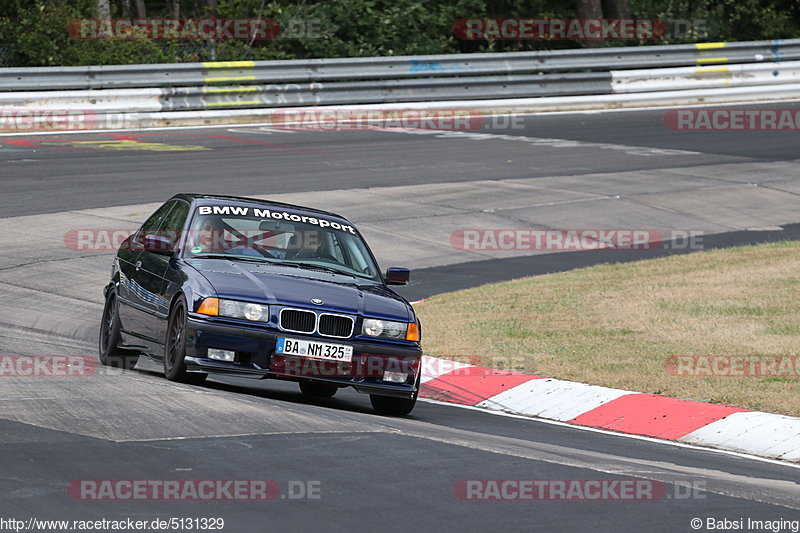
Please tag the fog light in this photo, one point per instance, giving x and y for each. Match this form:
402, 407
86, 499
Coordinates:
221, 355
395, 377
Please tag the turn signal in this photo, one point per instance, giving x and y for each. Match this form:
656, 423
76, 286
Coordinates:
210, 306
412, 334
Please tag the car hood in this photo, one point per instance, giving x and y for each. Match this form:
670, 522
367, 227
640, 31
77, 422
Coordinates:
295, 287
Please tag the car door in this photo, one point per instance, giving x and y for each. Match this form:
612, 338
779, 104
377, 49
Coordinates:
159, 267
135, 291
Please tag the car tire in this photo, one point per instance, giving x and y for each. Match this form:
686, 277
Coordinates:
109, 352
393, 406
318, 390
175, 347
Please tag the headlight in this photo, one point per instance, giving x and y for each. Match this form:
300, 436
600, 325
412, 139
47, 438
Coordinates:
384, 328
234, 309
255, 311
246, 310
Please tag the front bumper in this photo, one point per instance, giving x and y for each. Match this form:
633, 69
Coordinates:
256, 358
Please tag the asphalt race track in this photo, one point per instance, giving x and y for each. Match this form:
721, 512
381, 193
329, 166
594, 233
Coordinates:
338, 466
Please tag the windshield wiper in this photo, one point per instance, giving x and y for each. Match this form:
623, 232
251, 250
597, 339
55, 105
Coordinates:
231, 257
312, 266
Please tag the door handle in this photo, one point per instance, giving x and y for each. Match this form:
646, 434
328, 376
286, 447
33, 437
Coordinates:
138, 265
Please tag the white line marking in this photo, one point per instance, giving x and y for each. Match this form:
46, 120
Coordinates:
527, 114
544, 141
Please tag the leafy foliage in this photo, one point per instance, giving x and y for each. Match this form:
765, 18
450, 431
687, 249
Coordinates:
34, 32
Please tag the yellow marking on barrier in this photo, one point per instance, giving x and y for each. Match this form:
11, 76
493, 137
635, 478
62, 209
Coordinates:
217, 90
229, 64
713, 60
219, 104
711, 70
230, 78
710, 46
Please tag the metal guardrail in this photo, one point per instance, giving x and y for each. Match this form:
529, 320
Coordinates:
401, 67
249, 85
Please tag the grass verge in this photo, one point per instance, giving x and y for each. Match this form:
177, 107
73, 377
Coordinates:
616, 325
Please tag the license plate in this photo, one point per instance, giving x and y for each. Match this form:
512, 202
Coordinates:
314, 350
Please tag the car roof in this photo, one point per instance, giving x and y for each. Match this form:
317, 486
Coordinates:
214, 199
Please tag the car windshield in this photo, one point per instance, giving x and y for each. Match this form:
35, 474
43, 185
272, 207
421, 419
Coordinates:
303, 241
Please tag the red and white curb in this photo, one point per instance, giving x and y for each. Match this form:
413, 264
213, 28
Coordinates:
651, 415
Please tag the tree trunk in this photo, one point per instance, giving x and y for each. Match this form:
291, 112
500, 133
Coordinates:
213, 5
616, 9
126, 8
103, 9
589, 9
175, 9
141, 12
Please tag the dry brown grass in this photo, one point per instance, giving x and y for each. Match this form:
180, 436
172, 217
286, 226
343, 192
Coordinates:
615, 325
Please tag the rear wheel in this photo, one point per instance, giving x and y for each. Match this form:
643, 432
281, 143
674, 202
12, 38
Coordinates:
110, 337
175, 348
320, 390
392, 406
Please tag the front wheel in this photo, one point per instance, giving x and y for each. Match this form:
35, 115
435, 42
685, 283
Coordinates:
392, 406
110, 337
389, 405
175, 348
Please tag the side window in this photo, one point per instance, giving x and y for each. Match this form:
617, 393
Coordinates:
155, 220
151, 225
172, 225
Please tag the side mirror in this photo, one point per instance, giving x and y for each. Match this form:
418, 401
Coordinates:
397, 276
158, 245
